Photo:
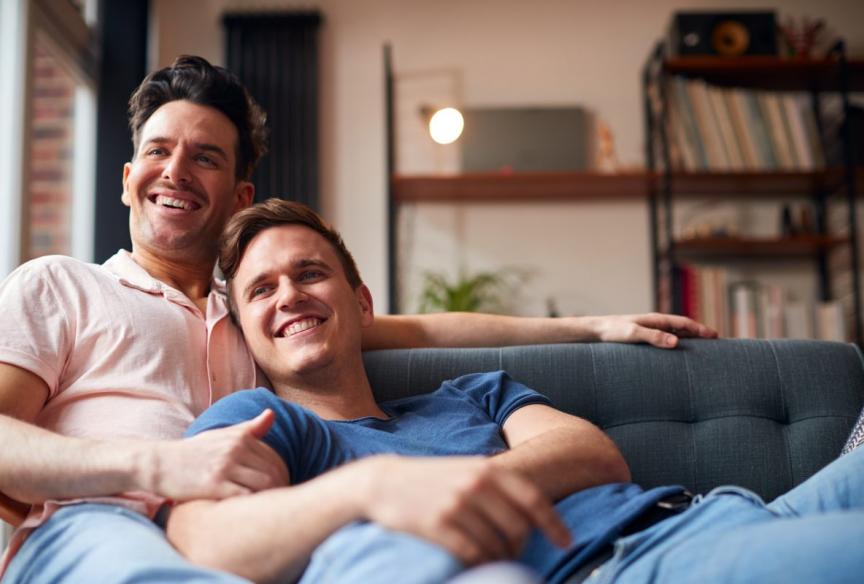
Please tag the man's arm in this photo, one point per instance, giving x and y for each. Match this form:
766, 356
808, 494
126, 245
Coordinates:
560, 453
474, 509
36, 464
464, 329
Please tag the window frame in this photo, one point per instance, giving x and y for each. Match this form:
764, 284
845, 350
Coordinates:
70, 35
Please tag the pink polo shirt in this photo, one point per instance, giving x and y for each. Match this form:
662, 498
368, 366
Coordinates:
123, 355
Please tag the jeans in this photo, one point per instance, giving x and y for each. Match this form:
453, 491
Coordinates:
813, 533
106, 544
365, 553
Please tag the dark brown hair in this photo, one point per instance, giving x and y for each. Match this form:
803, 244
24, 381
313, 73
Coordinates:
245, 225
194, 79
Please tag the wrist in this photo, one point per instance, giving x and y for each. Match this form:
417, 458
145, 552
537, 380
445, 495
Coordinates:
145, 470
585, 329
363, 482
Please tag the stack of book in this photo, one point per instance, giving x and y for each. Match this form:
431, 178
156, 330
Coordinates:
737, 130
751, 310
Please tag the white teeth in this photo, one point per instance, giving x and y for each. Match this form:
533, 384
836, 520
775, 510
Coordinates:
300, 326
173, 203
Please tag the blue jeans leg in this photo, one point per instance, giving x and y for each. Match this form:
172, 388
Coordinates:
840, 485
105, 544
811, 534
366, 553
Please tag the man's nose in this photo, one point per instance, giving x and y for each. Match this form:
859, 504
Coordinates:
177, 169
290, 296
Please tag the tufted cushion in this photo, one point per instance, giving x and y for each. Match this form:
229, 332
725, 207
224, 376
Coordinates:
761, 414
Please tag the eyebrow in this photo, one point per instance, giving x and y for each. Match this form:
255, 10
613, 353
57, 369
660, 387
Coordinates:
295, 264
206, 147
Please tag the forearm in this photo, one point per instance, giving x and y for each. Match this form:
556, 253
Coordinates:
36, 464
466, 329
564, 460
270, 535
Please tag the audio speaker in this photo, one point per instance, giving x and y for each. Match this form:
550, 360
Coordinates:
727, 34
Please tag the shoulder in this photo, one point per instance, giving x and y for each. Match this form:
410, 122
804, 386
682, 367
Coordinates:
62, 275
55, 265
244, 405
496, 392
474, 382
233, 409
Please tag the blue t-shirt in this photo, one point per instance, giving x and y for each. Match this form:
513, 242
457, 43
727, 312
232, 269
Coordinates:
463, 417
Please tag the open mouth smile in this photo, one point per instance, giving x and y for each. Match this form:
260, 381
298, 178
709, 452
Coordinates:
169, 202
298, 326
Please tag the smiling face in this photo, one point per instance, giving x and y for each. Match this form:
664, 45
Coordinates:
181, 186
297, 310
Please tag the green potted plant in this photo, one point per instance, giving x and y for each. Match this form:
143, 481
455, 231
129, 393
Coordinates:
483, 291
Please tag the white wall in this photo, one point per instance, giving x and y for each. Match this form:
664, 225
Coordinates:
592, 257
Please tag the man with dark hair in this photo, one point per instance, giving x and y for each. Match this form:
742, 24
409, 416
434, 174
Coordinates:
494, 456
102, 367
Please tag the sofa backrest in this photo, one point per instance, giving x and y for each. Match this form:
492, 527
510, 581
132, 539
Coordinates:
760, 414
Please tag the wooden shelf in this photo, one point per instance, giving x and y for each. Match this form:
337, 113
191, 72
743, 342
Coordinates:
576, 186
788, 74
756, 248
520, 187
753, 184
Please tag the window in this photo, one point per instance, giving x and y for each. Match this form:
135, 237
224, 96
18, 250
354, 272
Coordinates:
46, 174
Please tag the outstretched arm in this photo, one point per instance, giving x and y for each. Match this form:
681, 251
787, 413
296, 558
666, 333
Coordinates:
36, 465
463, 329
476, 510
560, 453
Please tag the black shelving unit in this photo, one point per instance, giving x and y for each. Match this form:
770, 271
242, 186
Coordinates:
833, 74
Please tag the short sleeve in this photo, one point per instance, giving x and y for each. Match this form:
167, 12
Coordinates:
298, 436
36, 327
497, 393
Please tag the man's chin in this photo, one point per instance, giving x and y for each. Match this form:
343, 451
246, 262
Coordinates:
170, 241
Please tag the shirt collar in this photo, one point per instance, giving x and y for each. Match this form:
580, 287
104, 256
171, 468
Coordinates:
131, 274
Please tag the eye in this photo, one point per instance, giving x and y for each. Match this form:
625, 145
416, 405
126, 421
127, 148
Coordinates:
206, 160
156, 151
259, 291
310, 275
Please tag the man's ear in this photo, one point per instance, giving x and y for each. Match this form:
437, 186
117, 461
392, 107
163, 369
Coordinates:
364, 299
245, 193
127, 200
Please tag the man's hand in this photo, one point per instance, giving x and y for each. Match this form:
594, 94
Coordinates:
476, 510
217, 464
660, 330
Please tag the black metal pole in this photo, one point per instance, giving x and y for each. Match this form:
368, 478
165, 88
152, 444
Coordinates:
392, 210
651, 164
851, 191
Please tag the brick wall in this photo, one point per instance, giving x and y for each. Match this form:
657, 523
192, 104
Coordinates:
50, 187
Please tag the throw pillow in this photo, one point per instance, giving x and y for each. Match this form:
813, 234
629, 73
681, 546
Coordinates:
856, 438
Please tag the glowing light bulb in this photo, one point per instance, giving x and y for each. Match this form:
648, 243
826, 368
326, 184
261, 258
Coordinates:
446, 125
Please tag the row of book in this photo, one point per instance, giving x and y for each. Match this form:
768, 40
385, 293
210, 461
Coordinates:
734, 129
751, 310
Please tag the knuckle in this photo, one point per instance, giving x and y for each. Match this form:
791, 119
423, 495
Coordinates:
533, 499
470, 554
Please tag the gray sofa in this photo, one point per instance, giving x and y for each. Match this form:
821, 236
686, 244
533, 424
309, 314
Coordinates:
761, 414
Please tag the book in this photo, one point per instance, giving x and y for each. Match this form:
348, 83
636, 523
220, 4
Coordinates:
798, 319
707, 126
743, 133
830, 321
760, 132
745, 319
770, 104
726, 131
794, 117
